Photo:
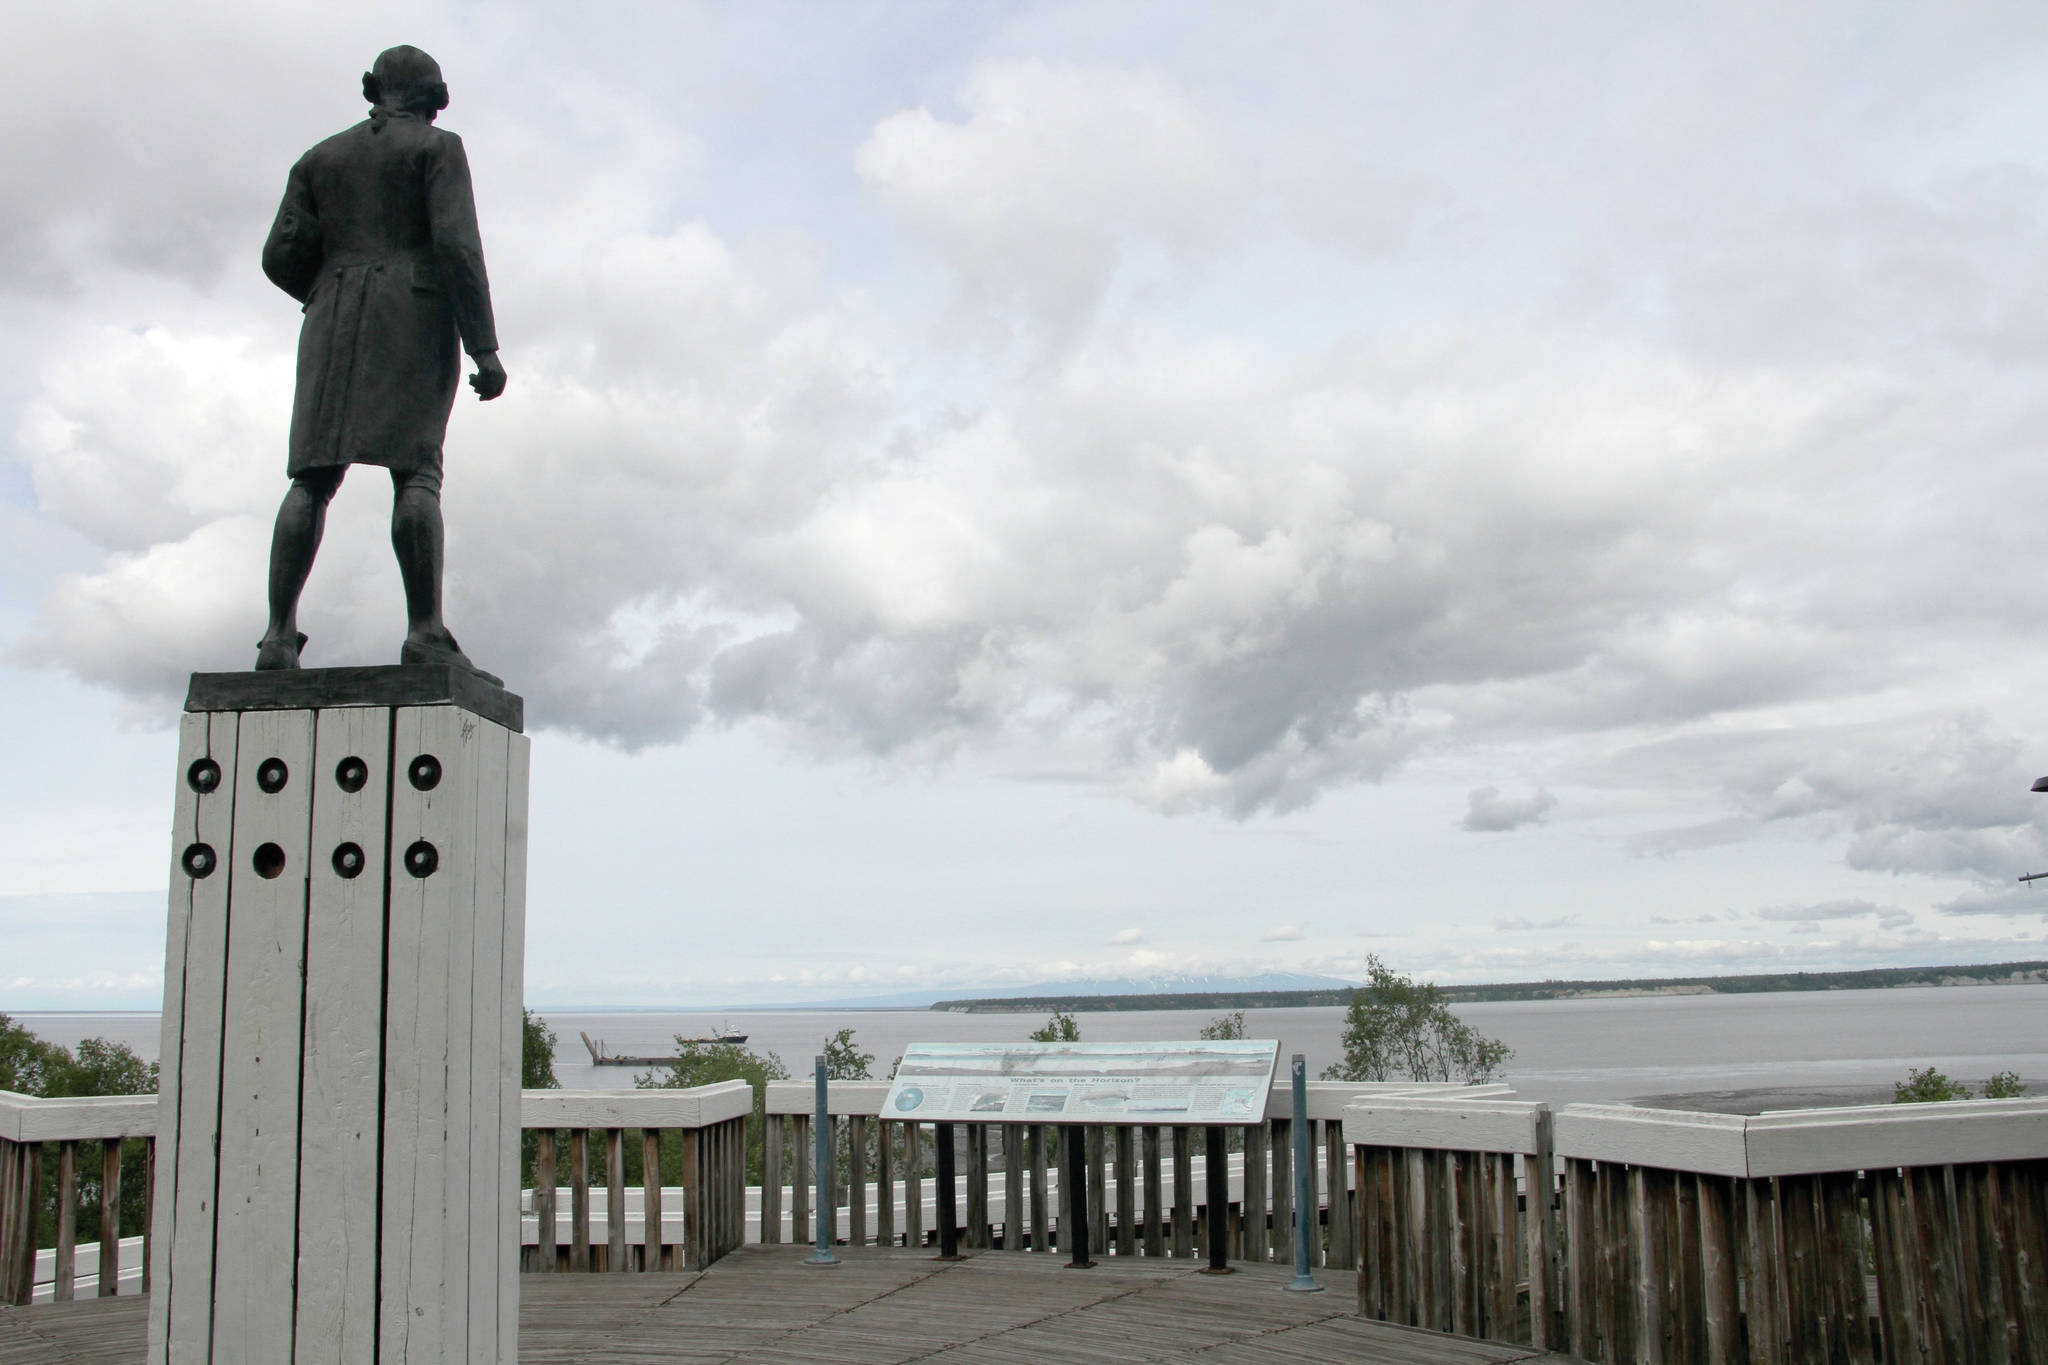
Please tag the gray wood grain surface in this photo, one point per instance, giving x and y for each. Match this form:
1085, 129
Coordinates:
762, 1306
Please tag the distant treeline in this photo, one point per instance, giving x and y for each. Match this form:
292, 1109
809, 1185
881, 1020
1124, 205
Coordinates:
1876, 978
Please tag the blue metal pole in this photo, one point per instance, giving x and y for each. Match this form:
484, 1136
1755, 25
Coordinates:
1304, 1182
822, 1125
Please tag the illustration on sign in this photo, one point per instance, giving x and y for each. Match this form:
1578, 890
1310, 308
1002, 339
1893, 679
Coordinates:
1174, 1082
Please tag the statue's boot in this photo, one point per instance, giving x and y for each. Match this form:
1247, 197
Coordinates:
439, 647
279, 651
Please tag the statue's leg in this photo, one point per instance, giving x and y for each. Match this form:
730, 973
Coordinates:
416, 536
295, 540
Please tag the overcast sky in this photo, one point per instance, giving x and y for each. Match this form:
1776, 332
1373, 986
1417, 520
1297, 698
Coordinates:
990, 493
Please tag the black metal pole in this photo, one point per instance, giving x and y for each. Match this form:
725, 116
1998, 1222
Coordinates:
1074, 1183
949, 1217
1219, 1202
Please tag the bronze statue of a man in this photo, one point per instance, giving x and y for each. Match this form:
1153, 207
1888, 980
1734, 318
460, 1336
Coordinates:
377, 236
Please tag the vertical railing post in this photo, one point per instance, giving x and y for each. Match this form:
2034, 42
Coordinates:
615, 1200
64, 1272
822, 1123
1304, 1172
948, 1209
544, 1201
579, 1199
110, 1217
652, 1247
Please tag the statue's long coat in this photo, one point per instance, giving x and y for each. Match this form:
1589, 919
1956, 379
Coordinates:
377, 237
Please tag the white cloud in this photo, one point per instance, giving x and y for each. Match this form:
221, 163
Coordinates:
1035, 195
1122, 936
1522, 924
1677, 458
1283, 933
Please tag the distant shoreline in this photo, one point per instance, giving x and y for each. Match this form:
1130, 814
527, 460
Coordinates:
1876, 978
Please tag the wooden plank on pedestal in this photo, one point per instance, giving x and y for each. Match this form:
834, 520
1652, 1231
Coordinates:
457, 740
511, 1036
267, 873
337, 1271
188, 1102
489, 761
418, 1214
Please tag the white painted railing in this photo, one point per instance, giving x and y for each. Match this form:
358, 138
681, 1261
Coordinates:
687, 1165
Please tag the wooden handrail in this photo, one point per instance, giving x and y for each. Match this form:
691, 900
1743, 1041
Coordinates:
1889, 1232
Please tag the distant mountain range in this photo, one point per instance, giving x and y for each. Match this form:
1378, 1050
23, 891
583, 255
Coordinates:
1167, 984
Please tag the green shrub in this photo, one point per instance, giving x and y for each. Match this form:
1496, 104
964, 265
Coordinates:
1928, 1086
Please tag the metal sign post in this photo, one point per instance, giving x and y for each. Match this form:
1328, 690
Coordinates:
1304, 1181
1216, 1161
948, 1192
1074, 1186
823, 1124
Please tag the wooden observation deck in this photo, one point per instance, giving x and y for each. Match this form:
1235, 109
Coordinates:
762, 1305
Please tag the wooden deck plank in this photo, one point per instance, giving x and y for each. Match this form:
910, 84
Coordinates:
762, 1306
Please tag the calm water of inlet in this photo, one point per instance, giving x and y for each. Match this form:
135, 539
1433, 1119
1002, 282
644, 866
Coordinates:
1807, 1046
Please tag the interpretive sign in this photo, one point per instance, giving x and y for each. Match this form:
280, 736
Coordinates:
1171, 1083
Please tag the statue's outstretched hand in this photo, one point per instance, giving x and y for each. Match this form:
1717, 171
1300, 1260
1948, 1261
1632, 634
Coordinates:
489, 379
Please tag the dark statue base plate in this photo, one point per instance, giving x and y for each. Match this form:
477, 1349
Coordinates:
307, 689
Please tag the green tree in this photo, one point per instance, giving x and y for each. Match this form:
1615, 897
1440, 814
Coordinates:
2005, 1085
1224, 1026
25, 1060
1397, 1029
697, 1064
1061, 1028
536, 1052
536, 1072
99, 1068
844, 1061
1928, 1086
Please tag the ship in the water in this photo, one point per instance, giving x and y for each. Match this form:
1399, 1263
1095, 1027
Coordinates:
725, 1033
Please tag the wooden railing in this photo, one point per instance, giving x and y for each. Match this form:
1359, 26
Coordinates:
683, 1152
1891, 1233
78, 1131
699, 1135
1146, 1184
1899, 1233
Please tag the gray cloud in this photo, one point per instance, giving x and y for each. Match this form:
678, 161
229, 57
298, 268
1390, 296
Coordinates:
1808, 917
1994, 899
1487, 811
1228, 535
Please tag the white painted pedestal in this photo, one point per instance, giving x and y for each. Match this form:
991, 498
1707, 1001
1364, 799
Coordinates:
338, 1140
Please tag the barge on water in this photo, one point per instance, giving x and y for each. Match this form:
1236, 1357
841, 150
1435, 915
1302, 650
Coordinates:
599, 1057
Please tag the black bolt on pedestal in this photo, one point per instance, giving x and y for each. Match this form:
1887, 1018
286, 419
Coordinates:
348, 861
351, 773
422, 858
199, 860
